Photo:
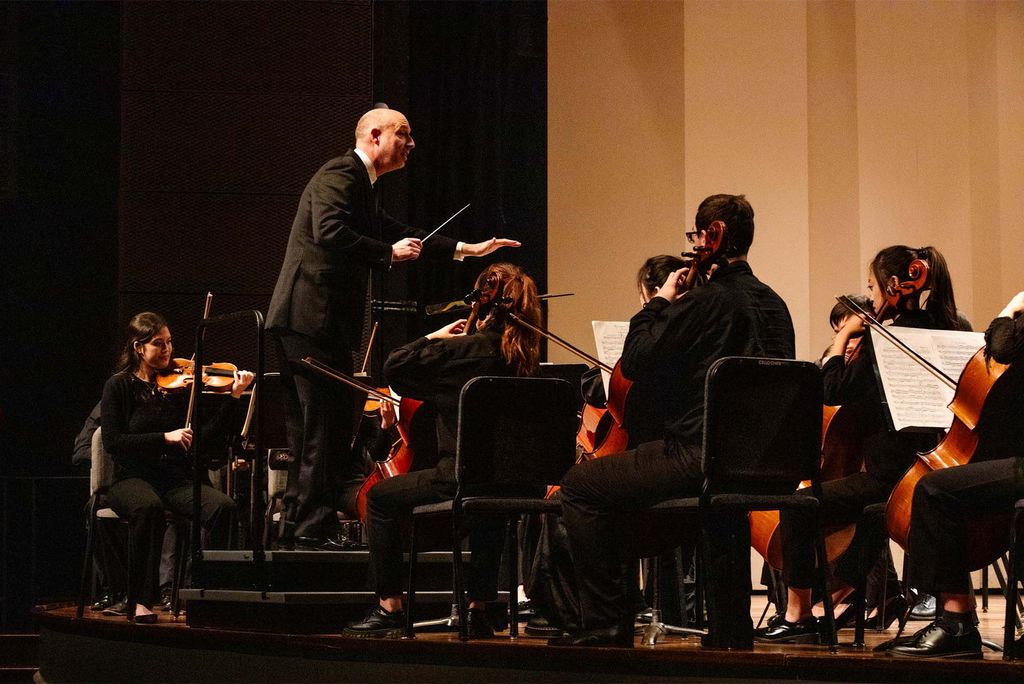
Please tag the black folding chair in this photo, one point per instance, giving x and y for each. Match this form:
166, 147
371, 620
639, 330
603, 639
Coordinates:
762, 437
514, 435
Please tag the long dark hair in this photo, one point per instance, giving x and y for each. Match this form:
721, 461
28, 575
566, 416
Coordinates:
654, 272
941, 304
141, 329
506, 284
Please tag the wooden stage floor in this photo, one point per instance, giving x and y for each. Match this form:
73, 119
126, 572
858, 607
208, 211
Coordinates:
100, 648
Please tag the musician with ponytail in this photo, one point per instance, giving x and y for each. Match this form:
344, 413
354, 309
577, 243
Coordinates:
852, 383
434, 369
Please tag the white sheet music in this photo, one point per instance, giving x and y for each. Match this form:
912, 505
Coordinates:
609, 336
917, 399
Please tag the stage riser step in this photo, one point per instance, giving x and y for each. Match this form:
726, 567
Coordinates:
19, 651
310, 571
304, 613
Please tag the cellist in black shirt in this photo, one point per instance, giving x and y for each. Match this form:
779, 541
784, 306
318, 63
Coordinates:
670, 345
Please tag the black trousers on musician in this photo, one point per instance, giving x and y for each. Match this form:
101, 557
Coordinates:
604, 503
945, 503
144, 506
320, 415
389, 506
843, 501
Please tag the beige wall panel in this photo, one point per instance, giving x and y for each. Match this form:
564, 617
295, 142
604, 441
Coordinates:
746, 131
914, 133
983, 113
1010, 102
835, 265
615, 155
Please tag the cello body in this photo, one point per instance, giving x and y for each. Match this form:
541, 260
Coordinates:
985, 541
399, 461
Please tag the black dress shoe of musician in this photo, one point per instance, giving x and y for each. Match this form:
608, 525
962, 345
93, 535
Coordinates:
335, 543
926, 608
308, 543
895, 609
147, 619
538, 626
377, 624
807, 631
119, 609
477, 624
611, 637
102, 603
941, 640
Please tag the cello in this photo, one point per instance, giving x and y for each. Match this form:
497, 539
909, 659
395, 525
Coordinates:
400, 459
985, 541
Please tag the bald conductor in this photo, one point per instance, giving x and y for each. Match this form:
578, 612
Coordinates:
340, 234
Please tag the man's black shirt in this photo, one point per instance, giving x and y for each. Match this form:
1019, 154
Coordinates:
670, 347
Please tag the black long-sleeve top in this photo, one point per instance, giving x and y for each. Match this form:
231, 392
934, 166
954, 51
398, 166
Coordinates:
1001, 428
434, 371
855, 387
135, 415
670, 347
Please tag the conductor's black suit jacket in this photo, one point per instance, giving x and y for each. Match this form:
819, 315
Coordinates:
339, 234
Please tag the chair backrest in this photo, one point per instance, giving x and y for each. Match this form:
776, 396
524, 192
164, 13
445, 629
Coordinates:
101, 470
762, 425
515, 432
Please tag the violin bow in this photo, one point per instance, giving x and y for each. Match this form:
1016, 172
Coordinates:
192, 394
333, 374
895, 341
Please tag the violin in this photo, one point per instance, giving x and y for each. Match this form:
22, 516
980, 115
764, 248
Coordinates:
703, 258
400, 459
180, 374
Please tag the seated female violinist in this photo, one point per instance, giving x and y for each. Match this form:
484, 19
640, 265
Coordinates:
434, 369
851, 383
144, 433
946, 500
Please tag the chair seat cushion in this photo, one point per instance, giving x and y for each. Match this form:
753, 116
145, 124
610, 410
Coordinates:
510, 505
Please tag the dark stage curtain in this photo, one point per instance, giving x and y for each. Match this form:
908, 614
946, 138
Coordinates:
475, 92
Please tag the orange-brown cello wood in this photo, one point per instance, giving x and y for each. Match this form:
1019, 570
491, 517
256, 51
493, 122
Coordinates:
986, 536
400, 460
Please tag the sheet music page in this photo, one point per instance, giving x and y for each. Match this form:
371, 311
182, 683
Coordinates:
916, 398
609, 336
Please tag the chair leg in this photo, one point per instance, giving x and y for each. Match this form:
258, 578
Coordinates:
87, 566
513, 566
130, 593
179, 567
410, 589
826, 597
1013, 576
459, 597
984, 589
